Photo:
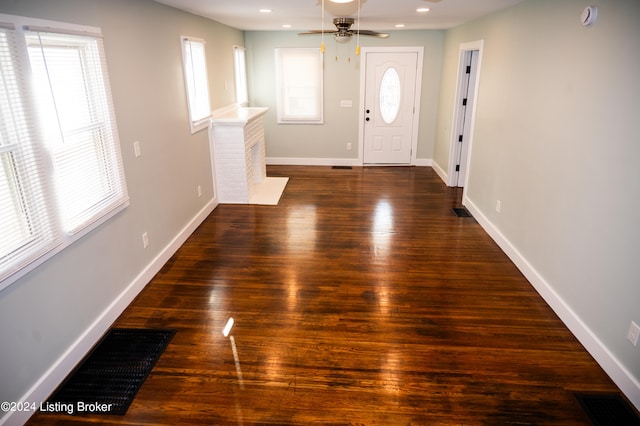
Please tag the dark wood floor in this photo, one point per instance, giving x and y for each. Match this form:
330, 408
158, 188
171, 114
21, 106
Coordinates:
359, 299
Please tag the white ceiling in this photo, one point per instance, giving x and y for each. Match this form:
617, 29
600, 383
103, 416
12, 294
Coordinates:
303, 15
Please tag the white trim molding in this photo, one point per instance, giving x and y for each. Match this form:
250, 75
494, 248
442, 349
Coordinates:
458, 118
440, 172
41, 390
423, 162
622, 377
300, 161
355, 162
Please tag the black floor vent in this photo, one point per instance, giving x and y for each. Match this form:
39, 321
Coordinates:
461, 212
342, 167
608, 410
108, 379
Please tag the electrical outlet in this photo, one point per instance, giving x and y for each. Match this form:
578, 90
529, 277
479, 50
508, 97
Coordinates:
633, 333
145, 240
199, 191
136, 148
349, 146
498, 206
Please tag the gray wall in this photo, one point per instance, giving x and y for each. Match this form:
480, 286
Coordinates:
42, 314
312, 142
557, 142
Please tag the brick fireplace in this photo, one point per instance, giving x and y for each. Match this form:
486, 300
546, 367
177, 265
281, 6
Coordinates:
237, 138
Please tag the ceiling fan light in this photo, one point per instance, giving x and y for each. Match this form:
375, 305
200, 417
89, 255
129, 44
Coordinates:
342, 37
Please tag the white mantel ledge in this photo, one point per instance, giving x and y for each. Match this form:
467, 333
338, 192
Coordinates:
235, 115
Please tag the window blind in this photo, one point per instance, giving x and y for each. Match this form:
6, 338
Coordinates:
26, 215
78, 125
299, 85
196, 80
242, 96
61, 172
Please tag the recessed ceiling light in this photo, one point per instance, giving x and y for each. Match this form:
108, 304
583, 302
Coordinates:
341, 1
423, 10
286, 26
265, 11
399, 25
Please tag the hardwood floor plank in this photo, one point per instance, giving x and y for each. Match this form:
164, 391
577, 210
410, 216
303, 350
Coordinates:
360, 299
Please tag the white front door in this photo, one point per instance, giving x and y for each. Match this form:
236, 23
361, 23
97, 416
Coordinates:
391, 100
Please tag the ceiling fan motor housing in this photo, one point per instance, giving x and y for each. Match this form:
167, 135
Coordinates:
343, 23
344, 31
343, 26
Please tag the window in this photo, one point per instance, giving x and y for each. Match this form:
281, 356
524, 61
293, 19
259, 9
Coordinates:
76, 120
60, 168
196, 82
242, 97
390, 92
299, 85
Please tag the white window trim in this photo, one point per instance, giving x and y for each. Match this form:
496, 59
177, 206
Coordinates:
199, 123
282, 116
20, 24
66, 242
240, 73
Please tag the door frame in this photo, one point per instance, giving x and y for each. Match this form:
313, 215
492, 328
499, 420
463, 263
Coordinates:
457, 114
418, 95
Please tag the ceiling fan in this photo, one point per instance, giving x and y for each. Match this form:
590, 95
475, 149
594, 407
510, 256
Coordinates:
343, 30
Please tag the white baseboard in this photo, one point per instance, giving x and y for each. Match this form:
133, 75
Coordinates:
440, 172
423, 162
355, 162
299, 161
41, 390
627, 383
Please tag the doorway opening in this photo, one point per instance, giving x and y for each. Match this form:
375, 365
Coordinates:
464, 113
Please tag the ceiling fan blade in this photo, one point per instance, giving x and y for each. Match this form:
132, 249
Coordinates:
347, 34
314, 32
373, 34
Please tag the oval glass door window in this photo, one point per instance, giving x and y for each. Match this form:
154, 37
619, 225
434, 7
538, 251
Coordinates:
390, 95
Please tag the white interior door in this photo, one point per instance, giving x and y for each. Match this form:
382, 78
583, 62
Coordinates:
469, 66
391, 95
466, 108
